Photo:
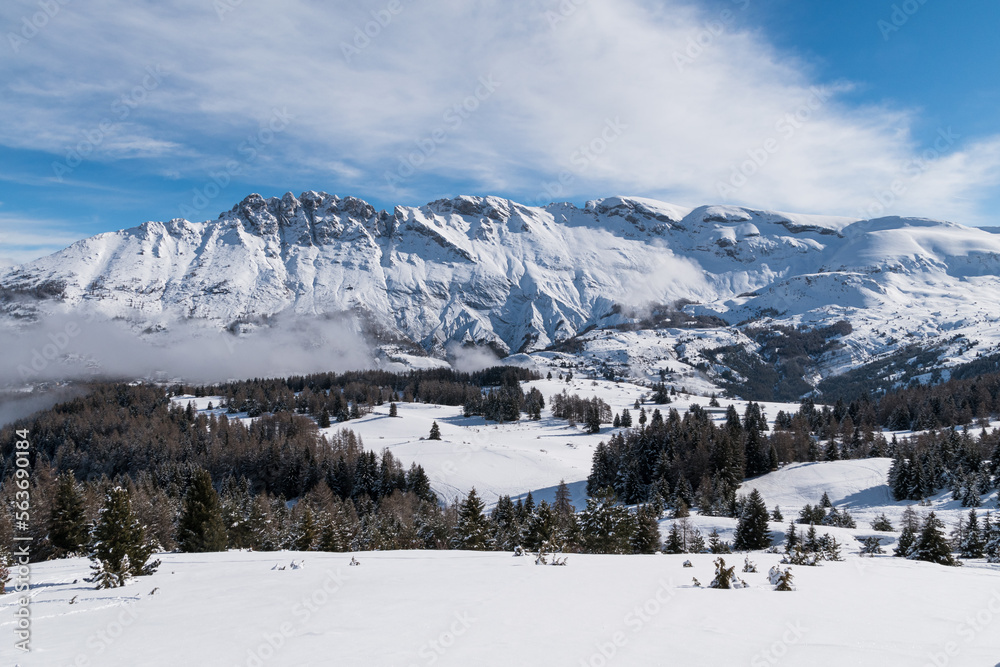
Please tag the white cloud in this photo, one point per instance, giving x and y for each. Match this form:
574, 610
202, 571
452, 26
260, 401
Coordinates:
23, 239
80, 347
684, 129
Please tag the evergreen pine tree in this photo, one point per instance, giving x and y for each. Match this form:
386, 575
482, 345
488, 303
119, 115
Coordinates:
829, 547
724, 576
932, 545
784, 581
529, 506
772, 459
419, 484
694, 542
68, 529
811, 543
306, 531
506, 528
626, 418
541, 528
562, 505
605, 526
716, 545
340, 529
565, 515
899, 476
791, 538
435, 432
472, 530
120, 549
674, 543
752, 531
906, 543
882, 523
201, 527
871, 546
971, 543
393, 410
646, 539
908, 534
991, 540
832, 451
776, 515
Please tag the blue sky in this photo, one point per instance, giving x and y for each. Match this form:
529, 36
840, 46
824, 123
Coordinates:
119, 112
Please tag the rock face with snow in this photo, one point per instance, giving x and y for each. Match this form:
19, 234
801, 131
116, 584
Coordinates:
518, 278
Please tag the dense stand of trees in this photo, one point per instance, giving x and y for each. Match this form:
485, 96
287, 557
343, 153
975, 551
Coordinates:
123, 470
350, 395
592, 412
134, 437
687, 459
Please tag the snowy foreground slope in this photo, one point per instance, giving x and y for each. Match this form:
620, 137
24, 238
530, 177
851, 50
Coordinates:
470, 608
473, 608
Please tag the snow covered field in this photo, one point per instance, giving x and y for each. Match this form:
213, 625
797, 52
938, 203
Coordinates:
469, 608
511, 458
418, 608
473, 608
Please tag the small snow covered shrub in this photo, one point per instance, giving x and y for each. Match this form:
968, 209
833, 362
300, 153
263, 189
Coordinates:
871, 546
725, 577
781, 579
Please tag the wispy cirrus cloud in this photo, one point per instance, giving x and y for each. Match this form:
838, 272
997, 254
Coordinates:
25, 238
735, 120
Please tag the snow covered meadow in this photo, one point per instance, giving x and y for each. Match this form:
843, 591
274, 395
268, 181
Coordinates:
415, 608
408, 608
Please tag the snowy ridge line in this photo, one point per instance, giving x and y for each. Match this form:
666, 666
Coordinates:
487, 271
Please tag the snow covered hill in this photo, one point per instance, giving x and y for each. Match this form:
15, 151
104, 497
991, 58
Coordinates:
489, 271
421, 608
504, 459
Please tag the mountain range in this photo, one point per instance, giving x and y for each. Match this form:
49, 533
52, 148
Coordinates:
640, 285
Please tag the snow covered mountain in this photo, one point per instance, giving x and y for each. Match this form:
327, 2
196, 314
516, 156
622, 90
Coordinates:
489, 271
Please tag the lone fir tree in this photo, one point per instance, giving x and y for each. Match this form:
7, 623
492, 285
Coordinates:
716, 545
120, 550
752, 531
674, 543
932, 545
67, 523
792, 539
201, 527
646, 538
473, 528
435, 432
908, 536
970, 542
